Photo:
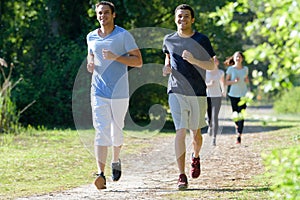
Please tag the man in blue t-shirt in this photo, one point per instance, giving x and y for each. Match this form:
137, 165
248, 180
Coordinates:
110, 50
188, 55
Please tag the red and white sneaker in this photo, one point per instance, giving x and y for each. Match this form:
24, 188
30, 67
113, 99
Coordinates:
182, 183
195, 169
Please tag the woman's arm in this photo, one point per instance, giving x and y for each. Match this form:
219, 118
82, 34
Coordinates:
209, 83
228, 80
222, 84
246, 79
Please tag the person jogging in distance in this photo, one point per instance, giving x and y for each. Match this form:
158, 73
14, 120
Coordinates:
237, 78
215, 91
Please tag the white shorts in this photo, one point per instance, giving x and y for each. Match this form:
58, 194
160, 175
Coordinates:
108, 120
188, 111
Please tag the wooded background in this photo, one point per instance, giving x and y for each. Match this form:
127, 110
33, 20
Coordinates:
46, 42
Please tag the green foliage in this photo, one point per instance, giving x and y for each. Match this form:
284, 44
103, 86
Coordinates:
277, 24
53, 85
288, 103
46, 39
274, 32
283, 168
145, 97
227, 23
247, 99
9, 116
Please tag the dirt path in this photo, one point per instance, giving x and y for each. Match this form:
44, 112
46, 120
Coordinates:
153, 173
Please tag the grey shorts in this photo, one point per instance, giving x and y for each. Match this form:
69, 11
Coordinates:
188, 111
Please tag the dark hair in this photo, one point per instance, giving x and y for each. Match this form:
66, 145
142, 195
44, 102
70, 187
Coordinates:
230, 61
185, 7
107, 3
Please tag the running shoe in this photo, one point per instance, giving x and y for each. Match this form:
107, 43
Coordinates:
209, 131
195, 169
182, 183
214, 141
238, 140
100, 181
116, 170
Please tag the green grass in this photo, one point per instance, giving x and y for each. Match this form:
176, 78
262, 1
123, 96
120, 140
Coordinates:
38, 162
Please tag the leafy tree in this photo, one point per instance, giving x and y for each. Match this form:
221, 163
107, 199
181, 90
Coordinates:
46, 40
279, 30
275, 33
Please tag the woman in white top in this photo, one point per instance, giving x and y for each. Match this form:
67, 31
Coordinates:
215, 92
237, 78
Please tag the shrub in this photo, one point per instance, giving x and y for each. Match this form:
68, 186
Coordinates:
283, 167
9, 117
50, 83
288, 102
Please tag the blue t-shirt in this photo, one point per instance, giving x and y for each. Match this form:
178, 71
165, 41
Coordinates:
110, 78
238, 89
186, 78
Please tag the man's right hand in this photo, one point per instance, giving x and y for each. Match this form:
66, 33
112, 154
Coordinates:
90, 67
167, 70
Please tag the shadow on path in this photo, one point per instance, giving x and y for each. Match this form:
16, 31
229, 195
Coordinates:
248, 129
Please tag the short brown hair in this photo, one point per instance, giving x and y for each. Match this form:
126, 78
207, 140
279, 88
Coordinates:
107, 3
186, 7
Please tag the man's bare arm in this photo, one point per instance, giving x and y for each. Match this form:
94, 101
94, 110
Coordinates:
90, 63
167, 67
207, 65
134, 58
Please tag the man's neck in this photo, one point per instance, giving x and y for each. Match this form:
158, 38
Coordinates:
106, 30
185, 33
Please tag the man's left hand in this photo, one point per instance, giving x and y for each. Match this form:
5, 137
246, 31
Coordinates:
188, 56
108, 55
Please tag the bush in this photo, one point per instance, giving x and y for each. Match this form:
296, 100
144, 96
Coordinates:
50, 84
9, 117
283, 167
288, 102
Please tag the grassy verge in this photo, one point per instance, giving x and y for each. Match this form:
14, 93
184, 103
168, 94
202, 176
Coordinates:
39, 162
42, 161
